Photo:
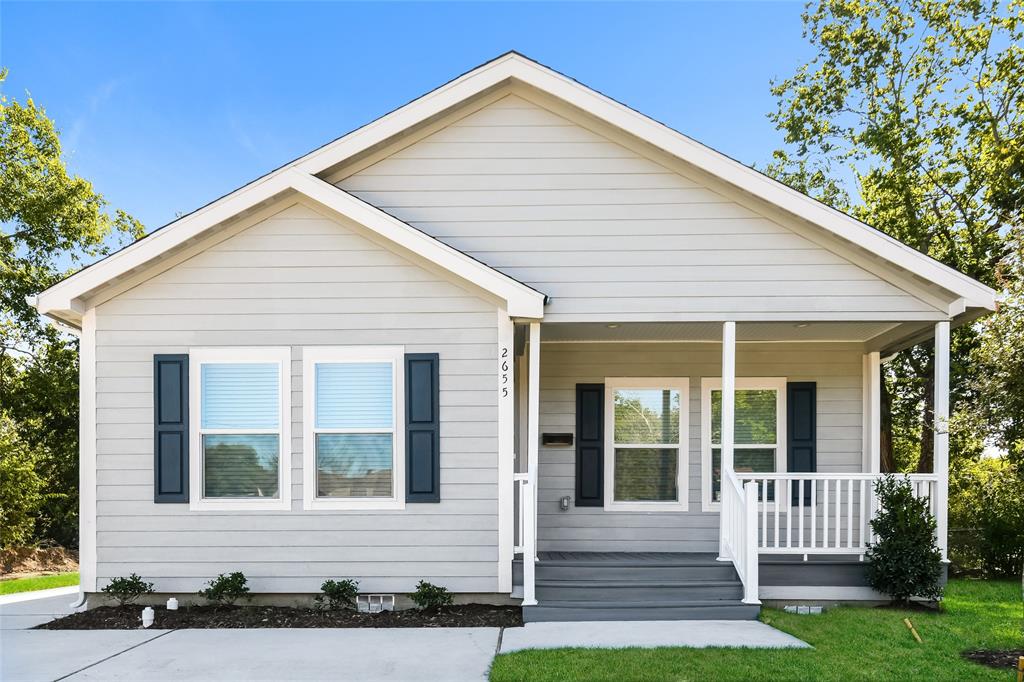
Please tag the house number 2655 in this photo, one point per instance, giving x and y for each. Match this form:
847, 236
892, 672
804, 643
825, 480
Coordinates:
504, 372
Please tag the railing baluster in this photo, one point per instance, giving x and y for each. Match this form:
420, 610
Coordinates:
849, 514
764, 512
777, 513
814, 514
839, 513
788, 499
824, 516
800, 511
860, 533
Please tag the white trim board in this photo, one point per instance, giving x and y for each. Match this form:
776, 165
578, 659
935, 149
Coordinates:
62, 300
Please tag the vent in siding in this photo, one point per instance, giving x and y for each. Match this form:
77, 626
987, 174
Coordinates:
375, 603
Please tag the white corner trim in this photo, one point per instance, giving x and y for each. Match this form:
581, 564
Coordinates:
283, 358
709, 384
314, 355
87, 554
681, 384
506, 448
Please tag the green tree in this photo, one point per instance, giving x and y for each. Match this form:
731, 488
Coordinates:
52, 222
21, 487
909, 117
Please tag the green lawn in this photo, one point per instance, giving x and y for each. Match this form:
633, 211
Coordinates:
849, 644
43, 582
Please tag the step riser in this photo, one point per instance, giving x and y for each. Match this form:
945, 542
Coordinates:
654, 594
536, 614
645, 573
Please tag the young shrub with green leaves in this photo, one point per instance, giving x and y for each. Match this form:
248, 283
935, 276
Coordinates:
226, 589
429, 596
127, 590
905, 562
338, 594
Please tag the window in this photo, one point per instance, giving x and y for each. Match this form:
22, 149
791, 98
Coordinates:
353, 454
240, 402
759, 432
645, 429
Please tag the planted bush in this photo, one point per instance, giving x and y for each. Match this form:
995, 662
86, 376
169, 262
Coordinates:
905, 561
226, 589
338, 594
127, 590
428, 596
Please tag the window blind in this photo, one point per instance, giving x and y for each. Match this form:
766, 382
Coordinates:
240, 396
354, 395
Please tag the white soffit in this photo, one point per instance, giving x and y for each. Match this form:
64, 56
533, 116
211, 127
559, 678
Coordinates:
587, 332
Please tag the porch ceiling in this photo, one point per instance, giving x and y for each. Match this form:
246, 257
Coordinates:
563, 332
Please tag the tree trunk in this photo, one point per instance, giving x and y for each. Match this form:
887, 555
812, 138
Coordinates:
926, 464
888, 463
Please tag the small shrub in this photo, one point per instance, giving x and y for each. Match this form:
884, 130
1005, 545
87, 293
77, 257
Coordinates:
127, 590
226, 589
338, 594
428, 596
905, 562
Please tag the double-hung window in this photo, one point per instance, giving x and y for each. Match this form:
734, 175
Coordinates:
759, 432
645, 435
240, 404
353, 428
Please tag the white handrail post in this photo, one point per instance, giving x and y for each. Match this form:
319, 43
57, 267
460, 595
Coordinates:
529, 547
941, 434
750, 555
728, 419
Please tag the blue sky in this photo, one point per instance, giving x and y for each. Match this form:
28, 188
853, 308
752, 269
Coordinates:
165, 107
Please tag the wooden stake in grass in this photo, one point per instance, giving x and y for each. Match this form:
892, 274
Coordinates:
910, 626
1020, 669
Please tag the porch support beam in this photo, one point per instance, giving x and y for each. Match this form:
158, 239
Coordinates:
941, 434
728, 423
532, 458
872, 413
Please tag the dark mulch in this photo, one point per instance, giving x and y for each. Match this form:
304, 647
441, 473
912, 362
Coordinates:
198, 617
995, 659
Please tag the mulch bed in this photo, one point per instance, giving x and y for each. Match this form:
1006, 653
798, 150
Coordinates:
995, 659
199, 617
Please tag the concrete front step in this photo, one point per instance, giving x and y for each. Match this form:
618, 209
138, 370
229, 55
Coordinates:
637, 590
717, 609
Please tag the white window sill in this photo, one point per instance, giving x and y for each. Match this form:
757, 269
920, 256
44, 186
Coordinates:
646, 506
238, 504
353, 504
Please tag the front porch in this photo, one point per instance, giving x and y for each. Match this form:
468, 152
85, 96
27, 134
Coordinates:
723, 477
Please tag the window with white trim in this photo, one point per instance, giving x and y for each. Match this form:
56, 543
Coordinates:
353, 454
240, 413
645, 436
759, 432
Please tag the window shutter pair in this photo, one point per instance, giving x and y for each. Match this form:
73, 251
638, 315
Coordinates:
801, 420
422, 428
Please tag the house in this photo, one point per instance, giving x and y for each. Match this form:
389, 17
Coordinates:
513, 338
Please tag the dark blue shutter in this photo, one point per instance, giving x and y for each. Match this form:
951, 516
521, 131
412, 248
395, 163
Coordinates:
170, 422
801, 431
589, 445
422, 428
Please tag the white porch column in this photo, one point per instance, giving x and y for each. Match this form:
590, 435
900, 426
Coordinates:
728, 424
941, 433
532, 458
872, 413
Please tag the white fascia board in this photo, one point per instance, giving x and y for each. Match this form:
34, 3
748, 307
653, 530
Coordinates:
514, 67
521, 300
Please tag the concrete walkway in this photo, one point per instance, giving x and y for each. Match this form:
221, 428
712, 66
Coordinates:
648, 634
423, 654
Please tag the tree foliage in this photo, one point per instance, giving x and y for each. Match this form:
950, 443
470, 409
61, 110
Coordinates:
909, 117
20, 486
52, 222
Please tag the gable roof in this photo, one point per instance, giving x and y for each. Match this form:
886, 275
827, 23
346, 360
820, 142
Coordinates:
61, 300
510, 67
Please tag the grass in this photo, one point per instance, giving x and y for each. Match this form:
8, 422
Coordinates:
42, 582
850, 643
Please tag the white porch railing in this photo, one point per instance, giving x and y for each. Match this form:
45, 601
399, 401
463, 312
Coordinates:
520, 481
803, 513
739, 536
525, 533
